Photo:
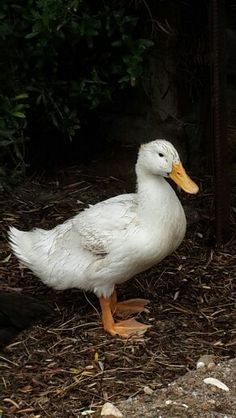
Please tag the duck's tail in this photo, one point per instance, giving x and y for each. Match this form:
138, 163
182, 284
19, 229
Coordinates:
52, 255
22, 244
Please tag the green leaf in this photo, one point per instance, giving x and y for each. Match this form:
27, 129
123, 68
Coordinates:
31, 35
5, 142
18, 115
6, 133
21, 96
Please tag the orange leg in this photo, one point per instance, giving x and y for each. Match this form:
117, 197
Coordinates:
125, 328
114, 300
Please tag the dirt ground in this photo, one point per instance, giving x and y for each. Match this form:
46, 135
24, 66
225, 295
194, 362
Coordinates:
69, 367
189, 396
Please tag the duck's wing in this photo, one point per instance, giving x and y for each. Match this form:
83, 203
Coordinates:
62, 256
101, 224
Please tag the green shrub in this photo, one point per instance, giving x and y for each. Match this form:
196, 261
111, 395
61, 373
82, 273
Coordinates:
60, 59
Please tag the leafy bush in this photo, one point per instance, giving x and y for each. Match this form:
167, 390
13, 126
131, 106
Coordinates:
61, 58
12, 136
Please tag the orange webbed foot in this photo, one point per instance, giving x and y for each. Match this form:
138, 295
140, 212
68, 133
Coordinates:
125, 329
128, 328
131, 306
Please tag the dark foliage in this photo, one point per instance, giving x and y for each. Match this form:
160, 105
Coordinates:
60, 60
19, 312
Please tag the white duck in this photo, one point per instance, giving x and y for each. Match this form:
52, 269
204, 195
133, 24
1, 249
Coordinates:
110, 242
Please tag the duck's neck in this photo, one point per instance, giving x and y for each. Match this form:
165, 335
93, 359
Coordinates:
155, 196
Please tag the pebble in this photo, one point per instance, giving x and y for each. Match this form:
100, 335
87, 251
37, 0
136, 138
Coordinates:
147, 390
110, 410
206, 361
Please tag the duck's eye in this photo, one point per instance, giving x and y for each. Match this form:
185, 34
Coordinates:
160, 154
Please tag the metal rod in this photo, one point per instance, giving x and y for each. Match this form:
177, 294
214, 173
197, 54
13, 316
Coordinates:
218, 113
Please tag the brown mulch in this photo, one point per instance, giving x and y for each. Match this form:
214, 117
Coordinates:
69, 366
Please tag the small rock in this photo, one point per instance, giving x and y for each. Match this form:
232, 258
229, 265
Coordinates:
211, 401
206, 406
148, 390
206, 361
178, 390
191, 381
111, 411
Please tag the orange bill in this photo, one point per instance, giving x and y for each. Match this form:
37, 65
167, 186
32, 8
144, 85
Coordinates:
180, 177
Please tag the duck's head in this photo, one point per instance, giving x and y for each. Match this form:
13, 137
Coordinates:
160, 158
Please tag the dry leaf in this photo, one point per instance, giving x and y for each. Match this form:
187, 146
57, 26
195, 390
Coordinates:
75, 370
5, 260
88, 412
26, 389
